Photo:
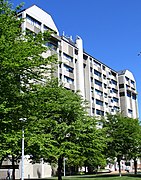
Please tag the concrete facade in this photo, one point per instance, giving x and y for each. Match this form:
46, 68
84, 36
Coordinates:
99, 84
128, 94
31, 170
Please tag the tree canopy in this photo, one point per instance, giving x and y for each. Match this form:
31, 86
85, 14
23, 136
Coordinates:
21, 62
60, 111
124, 136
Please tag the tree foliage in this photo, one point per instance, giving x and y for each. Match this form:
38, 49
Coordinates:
60, 113
21, 62
124, 135
63, 129
92, 142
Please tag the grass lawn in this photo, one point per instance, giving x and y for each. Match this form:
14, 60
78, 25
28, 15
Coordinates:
102, 177
105, 178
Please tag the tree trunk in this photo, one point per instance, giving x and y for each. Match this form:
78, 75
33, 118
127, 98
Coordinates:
90, 169
60, 167
1, 161
13, 167
135, 166
118, 160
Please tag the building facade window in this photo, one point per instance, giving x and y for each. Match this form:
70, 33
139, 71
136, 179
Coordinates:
67, 57
99, 83
60, 65
127, 79
33, 21
114, 82
60, 76
106, 104
92, 89
99, 112
122, 94
76, 51
116, 108
93, 110
68, 80
128, 93
85, 57
105, 85
130, 111
97, 73
113, 73
134, 96
114, 90
68, 68
132, 82
111, 91
84, 66
98, 102
97, 64
104, 76
105, 95
51, 45
98, 92
121, 85
115, 99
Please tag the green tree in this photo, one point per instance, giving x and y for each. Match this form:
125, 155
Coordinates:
134, 145
21, 62
92, 141
58, 127
123, 134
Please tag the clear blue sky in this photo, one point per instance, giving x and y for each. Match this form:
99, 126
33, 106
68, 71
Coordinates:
110, 29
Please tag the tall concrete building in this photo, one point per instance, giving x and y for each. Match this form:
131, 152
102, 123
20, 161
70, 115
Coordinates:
128, 94
105, 89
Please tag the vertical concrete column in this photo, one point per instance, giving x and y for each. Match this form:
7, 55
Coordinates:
42, 27
80, 70
42, 168
24, 23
